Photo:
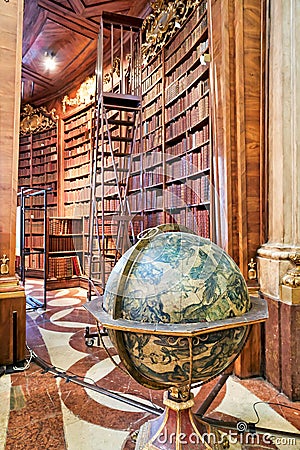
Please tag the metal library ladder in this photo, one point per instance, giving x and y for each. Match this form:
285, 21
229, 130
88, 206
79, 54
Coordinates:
117, 125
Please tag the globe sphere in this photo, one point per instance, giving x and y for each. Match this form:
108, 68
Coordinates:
176, 280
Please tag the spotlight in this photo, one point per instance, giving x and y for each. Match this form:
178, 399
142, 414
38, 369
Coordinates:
49, 61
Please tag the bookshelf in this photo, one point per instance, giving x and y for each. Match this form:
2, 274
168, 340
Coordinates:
176, 144
77, 144
64, 252
38, 166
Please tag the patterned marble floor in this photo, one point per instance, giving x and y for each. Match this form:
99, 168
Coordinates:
40, 411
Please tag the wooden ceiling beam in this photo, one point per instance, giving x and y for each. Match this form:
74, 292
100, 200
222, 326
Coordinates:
29, 74
109, 6
77, 6
68, 19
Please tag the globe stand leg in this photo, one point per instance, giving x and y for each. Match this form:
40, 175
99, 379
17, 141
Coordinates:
176, 429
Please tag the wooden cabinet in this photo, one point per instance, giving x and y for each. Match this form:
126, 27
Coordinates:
12, 325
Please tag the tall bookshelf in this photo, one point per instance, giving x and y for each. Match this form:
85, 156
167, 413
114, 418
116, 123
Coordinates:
176, 144
38, 165
76, 145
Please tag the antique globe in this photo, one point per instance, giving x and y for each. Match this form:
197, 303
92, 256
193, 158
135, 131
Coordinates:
163, 298
177, 309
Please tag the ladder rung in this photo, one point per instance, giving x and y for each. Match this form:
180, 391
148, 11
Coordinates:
119, 138
127, 123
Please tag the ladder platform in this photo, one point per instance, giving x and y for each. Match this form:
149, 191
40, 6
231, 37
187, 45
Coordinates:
121, 101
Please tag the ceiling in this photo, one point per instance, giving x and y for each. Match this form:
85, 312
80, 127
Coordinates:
67, 30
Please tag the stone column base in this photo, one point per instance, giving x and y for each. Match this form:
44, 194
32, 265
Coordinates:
282, 329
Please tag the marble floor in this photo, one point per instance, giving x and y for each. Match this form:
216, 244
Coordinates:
41, 411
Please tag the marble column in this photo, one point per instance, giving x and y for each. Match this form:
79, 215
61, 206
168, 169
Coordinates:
278, 258
12, 298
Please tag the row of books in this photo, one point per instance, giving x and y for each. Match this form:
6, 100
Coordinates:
187, 82
76, 122
75, 132
49, 166
34, 241
199, 222
153, 199
153, 108
64, 267
188, 143
44, 159
186, 106
147, 71
24, 154
189, 164
24, 172
65, 243
75, 184
44, 150
70, 153
60, 226
45, 178
155, 176
152, 140
152, 158
151, 79
76, 141
186, 65
187, 42
111, 204
35, 261
51, 196
194, 192
23, 158
110, 227
151, 94
82, 158
191, 118
45, 134
153, 219
42, 143
77, 172
77, 195
77, 209
152, 124
194, 219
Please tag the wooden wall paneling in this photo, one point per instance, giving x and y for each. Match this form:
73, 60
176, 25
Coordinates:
236, 67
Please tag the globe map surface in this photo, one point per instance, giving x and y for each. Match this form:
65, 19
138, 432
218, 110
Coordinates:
176, 278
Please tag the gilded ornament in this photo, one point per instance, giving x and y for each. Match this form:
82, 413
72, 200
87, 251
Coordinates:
292, 277
37, 119
84, 95
4, 266
163, 22
252, 275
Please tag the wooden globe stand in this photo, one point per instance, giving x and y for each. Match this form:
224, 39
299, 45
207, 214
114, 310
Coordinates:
176, 429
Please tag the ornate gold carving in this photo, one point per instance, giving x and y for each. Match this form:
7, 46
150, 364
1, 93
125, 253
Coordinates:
292, 277
252, 275
84, 95
163, 22
37, 119
4, 265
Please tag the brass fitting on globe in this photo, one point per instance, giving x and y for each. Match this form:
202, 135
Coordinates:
181, 393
